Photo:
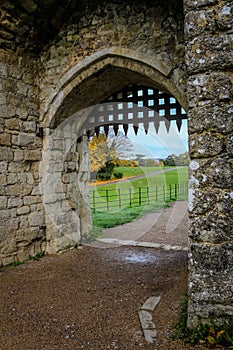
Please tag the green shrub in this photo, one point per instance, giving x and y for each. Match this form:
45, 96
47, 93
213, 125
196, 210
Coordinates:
210, 335
103, 176
118, 175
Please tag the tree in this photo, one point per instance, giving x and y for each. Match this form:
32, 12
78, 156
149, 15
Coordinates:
151, 162
181, 159
99, 151
103, 149
140, 159
121, 144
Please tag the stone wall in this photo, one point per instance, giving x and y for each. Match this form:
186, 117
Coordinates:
21, 208
150, 35
209, 53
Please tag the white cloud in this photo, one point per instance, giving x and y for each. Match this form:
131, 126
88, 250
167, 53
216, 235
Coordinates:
162, 144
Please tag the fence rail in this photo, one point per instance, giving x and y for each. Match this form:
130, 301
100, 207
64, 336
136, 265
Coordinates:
105, 200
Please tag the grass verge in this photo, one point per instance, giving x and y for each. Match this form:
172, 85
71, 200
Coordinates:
114, 218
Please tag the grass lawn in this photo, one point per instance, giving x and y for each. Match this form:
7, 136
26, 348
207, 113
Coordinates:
109, 219
122, 205
128, 172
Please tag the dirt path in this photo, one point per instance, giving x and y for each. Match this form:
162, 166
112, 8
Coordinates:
168, 227
89, 298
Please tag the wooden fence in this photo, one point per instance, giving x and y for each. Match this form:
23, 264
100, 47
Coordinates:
106, 200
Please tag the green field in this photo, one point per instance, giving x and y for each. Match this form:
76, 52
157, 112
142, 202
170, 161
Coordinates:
121, 202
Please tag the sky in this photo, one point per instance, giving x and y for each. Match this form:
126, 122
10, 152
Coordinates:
159, 145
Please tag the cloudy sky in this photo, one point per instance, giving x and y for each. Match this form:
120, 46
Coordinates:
162, 144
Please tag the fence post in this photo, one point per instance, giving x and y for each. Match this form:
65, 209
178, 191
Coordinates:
175, 190
140, 196
119, 197
93, 199
164, 194
130, 198
107, 200
148, 195
156, 194
170, 191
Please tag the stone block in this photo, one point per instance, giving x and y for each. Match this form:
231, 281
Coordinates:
28, 234
150, 335
3, 202
151, 303
8, 246
6, 260
3, 167
36, 190
6, 154
205, 21
199, 22
2, 98
211, 263
4, 215
14, 190
12, 124
214, 172
218, 118
211, 228
22, 111
15, 202
197, 4
207, 144
23, 253
18, 155
12, 179
3, 179
32, 155
18, 167
36, 219
29, 200
215, 201
204, 89
229, 145
28, 126
225, 16
24, 139
209, 53
5, 139
146, 319
23, 223
204, 311
23, 210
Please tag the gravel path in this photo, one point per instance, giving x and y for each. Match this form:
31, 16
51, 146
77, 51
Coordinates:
88, 298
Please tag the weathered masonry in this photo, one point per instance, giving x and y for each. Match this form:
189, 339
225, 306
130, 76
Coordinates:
57, 60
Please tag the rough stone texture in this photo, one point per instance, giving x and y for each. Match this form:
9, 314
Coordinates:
209, 63
151, 303
20, 233
122, 43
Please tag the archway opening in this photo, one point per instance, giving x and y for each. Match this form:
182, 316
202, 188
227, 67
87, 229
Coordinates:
142, 111
67, 127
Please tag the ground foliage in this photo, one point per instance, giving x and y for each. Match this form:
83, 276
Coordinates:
209, 335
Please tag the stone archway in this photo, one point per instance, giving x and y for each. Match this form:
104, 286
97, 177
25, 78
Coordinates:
122, 65
68, 219
193, 41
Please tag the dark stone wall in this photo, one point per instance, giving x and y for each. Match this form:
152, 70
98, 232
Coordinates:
209, 52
